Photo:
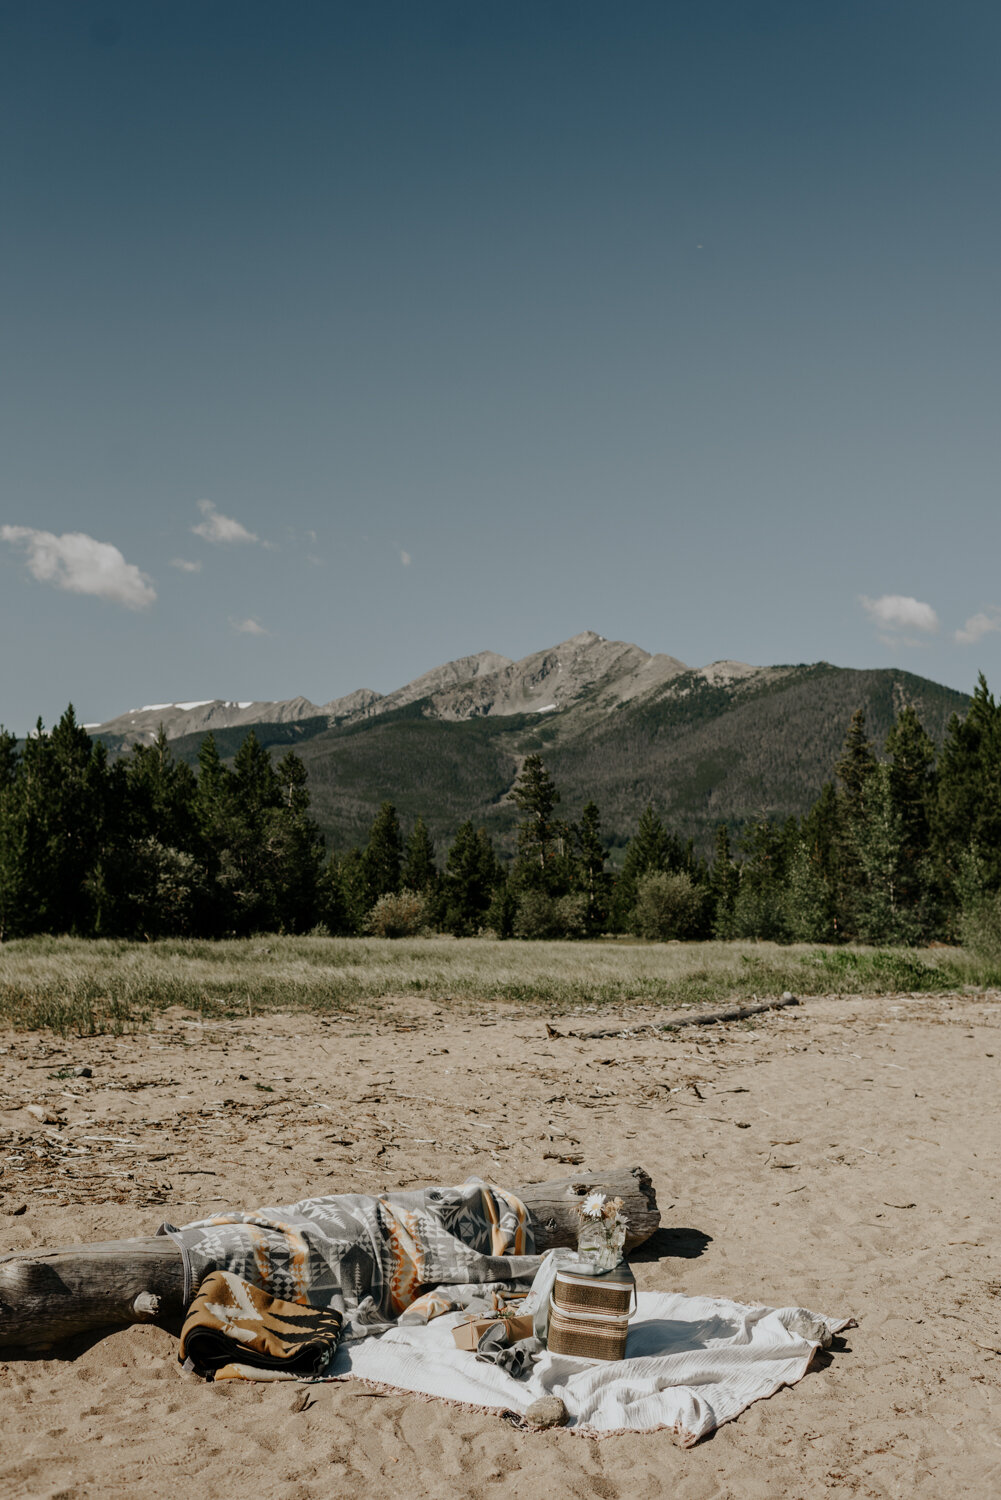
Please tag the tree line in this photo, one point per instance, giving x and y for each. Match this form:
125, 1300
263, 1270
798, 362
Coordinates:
901, 846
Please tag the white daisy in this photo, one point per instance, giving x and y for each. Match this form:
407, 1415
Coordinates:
592, 1205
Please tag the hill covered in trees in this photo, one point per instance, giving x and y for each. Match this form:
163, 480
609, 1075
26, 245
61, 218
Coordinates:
901, 844
724, 743
702, 752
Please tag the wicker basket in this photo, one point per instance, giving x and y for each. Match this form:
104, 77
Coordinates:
589, 1315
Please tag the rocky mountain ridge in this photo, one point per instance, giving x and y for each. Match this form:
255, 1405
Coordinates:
485, 685
723, 743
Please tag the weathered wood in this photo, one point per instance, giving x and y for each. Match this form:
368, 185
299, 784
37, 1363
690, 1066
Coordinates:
553, 1205
696, 1018
48, 1295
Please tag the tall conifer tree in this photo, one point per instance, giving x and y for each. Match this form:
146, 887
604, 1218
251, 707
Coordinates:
536, 796
590, 877
383, 858
724, 882
471, 874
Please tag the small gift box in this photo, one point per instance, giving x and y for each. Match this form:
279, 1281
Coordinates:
468, 1333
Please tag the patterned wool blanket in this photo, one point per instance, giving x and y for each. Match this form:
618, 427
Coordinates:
231, 1324
371, 1260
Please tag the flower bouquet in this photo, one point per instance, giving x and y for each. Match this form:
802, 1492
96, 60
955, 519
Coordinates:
602, 1233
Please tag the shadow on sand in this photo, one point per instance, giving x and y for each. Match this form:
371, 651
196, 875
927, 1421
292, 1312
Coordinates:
673, 1243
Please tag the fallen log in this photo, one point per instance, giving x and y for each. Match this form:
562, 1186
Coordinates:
553, 1205
696, 1018
48, 1295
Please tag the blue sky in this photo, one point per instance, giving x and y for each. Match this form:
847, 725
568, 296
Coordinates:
342, 339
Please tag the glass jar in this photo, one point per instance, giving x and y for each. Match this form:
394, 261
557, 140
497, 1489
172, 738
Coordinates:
601, 1240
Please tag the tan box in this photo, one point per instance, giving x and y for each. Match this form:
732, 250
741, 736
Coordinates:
468, 1333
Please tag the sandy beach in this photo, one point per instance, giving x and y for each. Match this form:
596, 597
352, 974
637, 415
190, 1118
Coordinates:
842, 1156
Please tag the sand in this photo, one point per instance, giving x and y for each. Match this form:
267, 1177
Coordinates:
842, 1156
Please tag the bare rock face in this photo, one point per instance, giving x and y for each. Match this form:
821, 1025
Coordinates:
546, 681
587, 668
484, 666
357, 705
141, 725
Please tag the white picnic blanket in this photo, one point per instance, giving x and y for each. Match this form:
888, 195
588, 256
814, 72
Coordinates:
692, 1363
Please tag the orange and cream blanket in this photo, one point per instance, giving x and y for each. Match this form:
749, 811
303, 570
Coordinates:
365, 1261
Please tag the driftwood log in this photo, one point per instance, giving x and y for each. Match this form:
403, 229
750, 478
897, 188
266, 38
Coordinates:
48, 1295
678, 1023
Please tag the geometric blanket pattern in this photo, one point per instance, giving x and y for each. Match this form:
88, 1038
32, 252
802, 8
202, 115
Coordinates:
230, 1320
370, 1258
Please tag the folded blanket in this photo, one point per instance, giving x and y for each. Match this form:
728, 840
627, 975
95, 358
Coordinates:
231, 1321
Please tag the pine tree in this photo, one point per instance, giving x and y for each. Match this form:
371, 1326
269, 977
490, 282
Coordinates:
651, 848
590, 877
11, 846
62, 788
333, 903
420, 872
503, 908
161, 794
761, 910
535, 794
255, 782
383, 856
252, 827
214, 798
293, 783
8, 758
856, 764
353, 883
854, 771
911, 789
471, 875
293, 851
251, 792
820, 831
881, 915
967, 805
808, 914
724, 882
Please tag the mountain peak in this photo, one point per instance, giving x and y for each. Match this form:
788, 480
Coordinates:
484, 684
584, 639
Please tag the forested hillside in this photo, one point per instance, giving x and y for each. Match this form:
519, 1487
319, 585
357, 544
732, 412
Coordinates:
902, 844
705, 754
702, 753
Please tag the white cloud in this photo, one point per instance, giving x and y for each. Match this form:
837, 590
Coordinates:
220, 528
81, 565
900, 612
248, 627
185, 566
405, 559
978, 625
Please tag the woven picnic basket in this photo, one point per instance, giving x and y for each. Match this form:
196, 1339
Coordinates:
589, 1315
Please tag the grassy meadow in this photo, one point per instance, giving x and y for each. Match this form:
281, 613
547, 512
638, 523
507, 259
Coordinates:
91, 985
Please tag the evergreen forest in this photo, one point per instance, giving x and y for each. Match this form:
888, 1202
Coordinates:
902, 846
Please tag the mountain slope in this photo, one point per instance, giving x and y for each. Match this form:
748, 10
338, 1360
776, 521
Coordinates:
724, 743
702, 752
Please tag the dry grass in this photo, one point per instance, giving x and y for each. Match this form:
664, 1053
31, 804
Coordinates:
83, 986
